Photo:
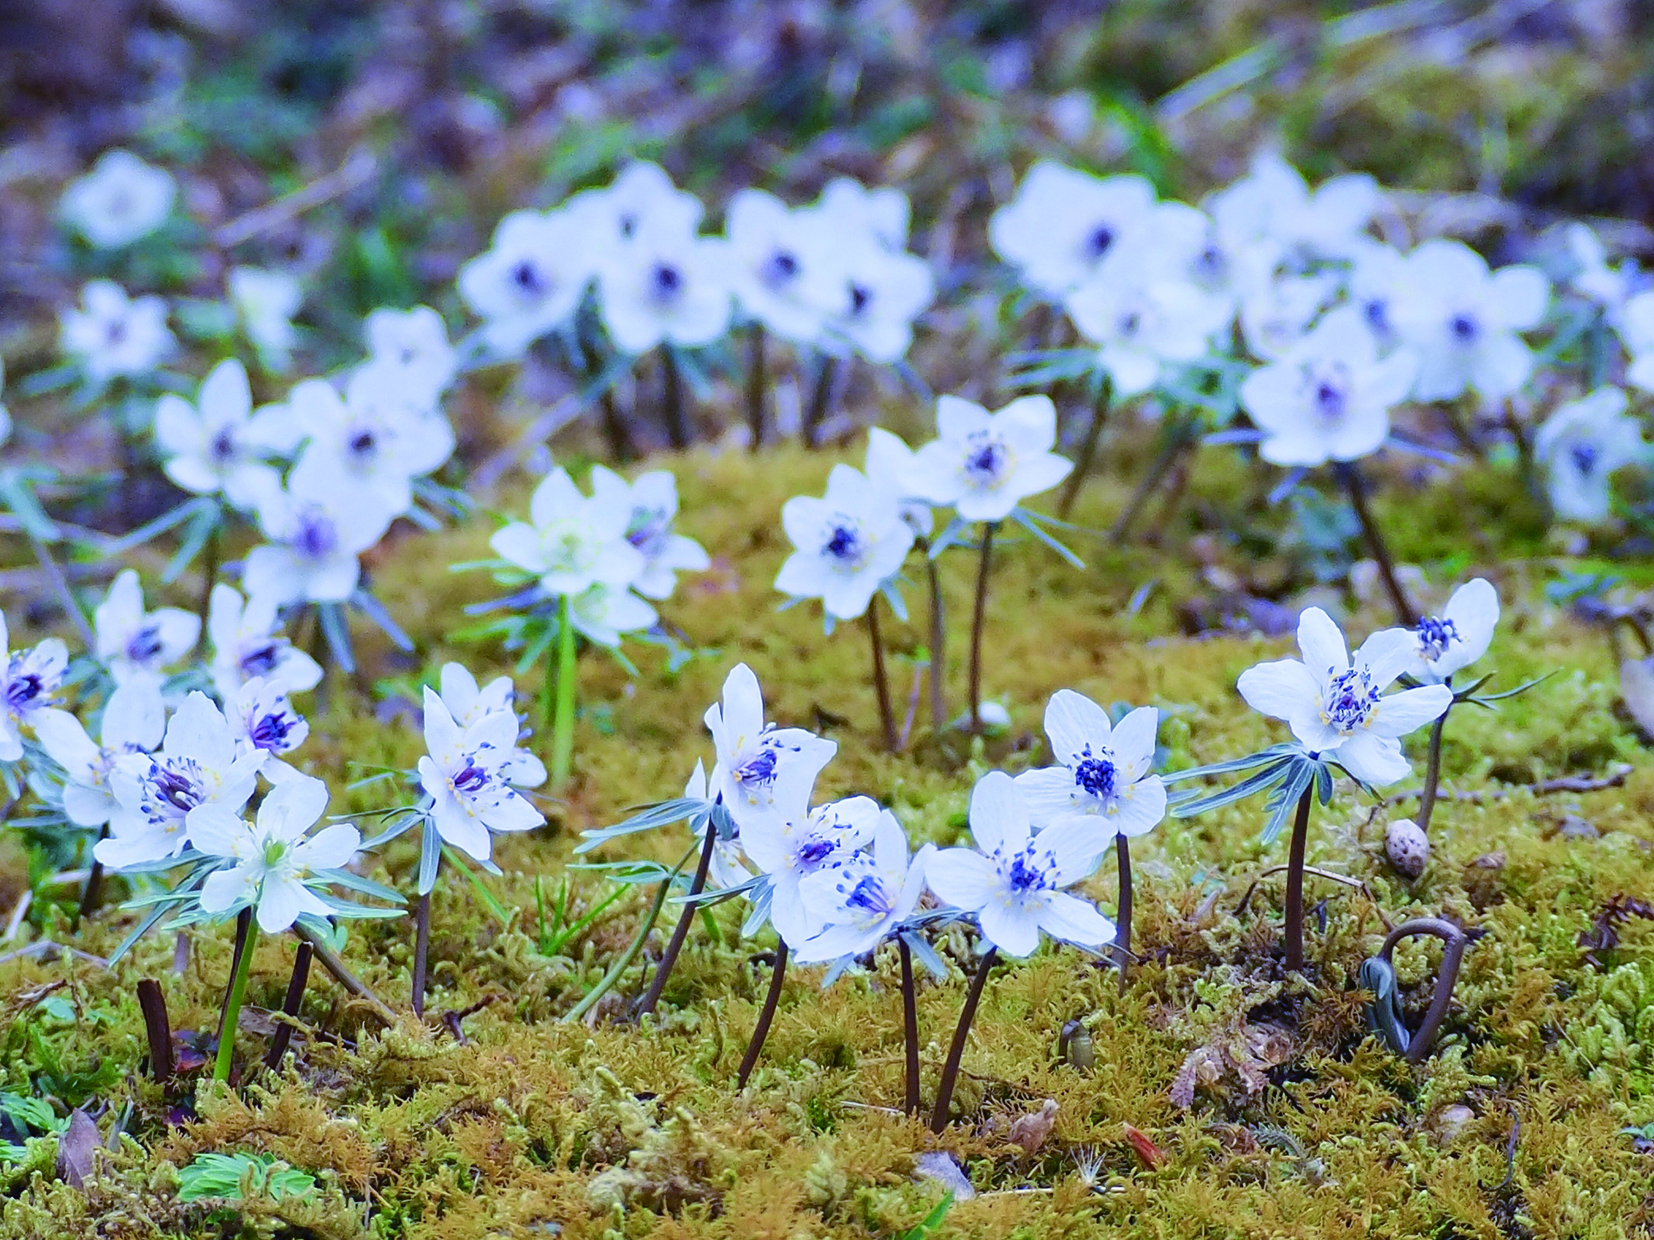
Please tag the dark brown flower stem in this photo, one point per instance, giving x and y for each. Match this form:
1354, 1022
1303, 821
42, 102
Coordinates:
950, 1070
1122, 927
1176, 440
1295, 884
977, 619
90, 893
677, 421
1349, 473
821, 394
881, 680
938, 637
157, 1028
762, 1029
1432, 772
910, 1027
354, 986
1088, 452
422, 951
757, 386
1525, 470
621, 445
681, 932
1454, 941
290, 1005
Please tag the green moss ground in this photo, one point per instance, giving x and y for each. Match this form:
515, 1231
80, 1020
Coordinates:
1301, 1126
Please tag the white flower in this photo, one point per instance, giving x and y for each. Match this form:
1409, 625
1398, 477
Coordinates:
1377, 277
1635, 325
120, 201
1581, 444
782, 265
372, 441
728, 868
530, 280
134, 719
1609, 287
604, 613
571, 542
653, 500
1461, 635
847, 208
414, 344
1139, 323
893, 467
113, 335
29, 681
664, 286
156, 797
1336, 708
984, 464
1274, 203
761, 770
848, 543
470, 704
261, 718
1327, 398
1065, 227
787, 849
266, 302
876, 297
640, 199
466, 773
274, 857
219, 444
865, 898
1104, 774
1014, 884
133, 643
1276, 313
246, 646
317, 527
1463, 321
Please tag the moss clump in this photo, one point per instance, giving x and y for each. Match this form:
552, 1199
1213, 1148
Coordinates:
1275, 1113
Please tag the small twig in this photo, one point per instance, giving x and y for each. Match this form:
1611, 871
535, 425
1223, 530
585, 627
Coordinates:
331, 961
1546, 787
47, 945
1355, 884
355, 171
451, 1019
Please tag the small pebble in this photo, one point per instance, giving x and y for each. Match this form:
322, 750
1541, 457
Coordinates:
1454, 1120
1407, 847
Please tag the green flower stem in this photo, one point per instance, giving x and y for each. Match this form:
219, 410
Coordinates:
950, 1070
977, 619
761, 1031
1432, 772
232, 1003
1295, 884
910, 1027
938, 637
757, 386
562, 734
1122, 928
616, 970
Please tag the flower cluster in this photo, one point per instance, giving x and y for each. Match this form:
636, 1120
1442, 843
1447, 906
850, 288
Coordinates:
833, 275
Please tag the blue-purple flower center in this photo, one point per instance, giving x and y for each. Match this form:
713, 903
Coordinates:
843, 542
1350, 699
815, 851
1096, 773
1026, 874
1463, 327
986, 460
1584, 456
261, 660
317, 537
22, 689
145, 644
470, 779
1435, 636
270, 730
870, 894
758, 769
